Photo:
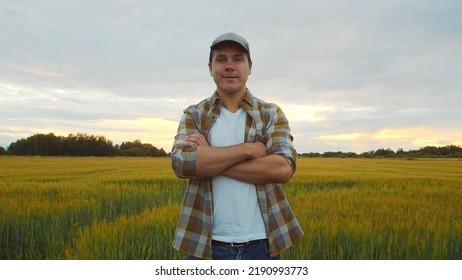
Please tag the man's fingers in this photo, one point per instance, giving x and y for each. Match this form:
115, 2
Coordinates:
196, 140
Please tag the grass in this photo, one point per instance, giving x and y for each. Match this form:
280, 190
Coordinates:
127, 208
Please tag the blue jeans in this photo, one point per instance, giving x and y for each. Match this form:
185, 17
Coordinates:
254, 251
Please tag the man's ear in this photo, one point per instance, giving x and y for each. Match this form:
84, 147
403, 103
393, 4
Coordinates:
210, 69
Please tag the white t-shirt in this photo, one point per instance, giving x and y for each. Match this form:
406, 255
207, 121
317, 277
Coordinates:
236, 212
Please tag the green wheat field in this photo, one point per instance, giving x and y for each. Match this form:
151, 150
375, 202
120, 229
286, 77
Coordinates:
127, 208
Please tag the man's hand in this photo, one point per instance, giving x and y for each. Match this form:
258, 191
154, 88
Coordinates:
211, 161
252, 150
196, 140
256, 150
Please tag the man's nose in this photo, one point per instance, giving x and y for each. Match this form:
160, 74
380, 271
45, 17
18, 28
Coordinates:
230, 66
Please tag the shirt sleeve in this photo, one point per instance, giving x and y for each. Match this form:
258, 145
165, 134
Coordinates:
183, 156
278, 136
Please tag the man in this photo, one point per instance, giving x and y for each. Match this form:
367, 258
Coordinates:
236, 150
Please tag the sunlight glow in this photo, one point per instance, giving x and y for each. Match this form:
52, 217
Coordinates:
341, 137
156, 131
296, 113
402, 133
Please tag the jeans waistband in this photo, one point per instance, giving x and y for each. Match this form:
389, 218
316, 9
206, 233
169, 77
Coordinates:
238, 244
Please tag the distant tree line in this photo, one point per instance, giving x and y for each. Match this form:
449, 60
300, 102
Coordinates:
80, 144
449, 151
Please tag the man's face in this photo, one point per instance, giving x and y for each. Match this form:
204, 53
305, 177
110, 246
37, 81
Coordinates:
230, 68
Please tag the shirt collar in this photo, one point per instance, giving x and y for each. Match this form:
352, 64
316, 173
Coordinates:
246, 100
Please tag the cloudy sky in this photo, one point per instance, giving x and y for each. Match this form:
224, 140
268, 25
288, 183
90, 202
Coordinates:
350, 75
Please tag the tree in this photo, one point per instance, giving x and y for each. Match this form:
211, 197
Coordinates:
137, 148
368, 154
20, 147
81, 144
2, 151
384, 153
451, 150
429, 151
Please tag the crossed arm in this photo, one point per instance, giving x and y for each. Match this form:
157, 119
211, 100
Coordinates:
247, 162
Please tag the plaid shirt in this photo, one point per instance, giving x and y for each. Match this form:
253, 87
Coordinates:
265, 122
